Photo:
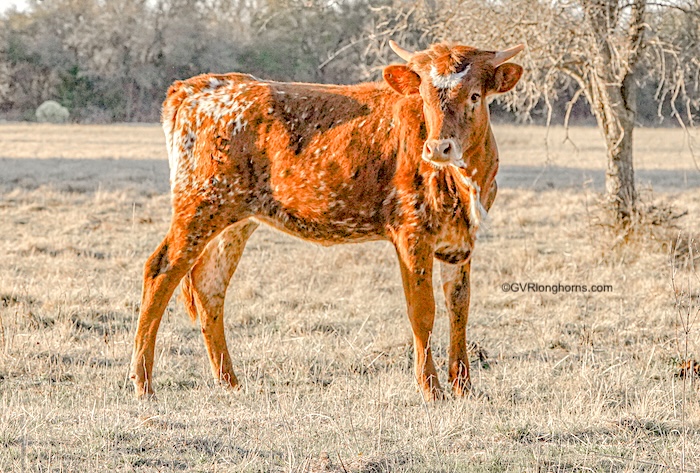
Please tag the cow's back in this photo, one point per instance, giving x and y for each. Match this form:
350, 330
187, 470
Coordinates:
315, 160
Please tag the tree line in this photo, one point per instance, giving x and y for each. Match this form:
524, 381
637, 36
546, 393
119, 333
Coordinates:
113, 60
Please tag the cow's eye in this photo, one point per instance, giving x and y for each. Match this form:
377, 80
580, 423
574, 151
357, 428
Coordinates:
476, 97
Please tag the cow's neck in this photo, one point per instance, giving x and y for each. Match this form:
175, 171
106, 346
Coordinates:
482, 162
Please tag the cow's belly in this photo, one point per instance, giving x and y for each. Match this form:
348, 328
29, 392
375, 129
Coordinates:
327, 232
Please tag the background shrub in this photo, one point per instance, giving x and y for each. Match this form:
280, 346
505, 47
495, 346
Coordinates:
52, 112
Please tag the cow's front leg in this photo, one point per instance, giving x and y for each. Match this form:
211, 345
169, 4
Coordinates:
417, 274
455, 283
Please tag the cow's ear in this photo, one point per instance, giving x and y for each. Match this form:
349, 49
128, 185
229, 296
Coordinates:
506, 76
402, 79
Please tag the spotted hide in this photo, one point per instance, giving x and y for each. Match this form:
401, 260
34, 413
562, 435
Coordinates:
411, 160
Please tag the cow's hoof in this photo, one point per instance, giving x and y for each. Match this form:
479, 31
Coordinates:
461, 387
435, 395
459, 378
433, 392
229, 381
146, 396
143, 391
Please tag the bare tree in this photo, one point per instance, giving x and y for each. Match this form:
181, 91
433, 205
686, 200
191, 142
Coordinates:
603, 50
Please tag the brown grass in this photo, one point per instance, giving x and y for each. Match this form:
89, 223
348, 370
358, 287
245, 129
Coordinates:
565, 382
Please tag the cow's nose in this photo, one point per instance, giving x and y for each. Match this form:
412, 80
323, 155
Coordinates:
443, 149
439, 150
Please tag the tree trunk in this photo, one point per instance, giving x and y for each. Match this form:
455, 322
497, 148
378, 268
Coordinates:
619, 175
614, 108
612, 93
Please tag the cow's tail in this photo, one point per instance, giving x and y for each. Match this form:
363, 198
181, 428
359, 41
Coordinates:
188, 296
177, 93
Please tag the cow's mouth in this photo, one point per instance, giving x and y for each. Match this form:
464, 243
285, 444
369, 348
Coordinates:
437, 162
442, 162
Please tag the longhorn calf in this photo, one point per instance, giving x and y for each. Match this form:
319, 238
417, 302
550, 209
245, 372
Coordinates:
411, 160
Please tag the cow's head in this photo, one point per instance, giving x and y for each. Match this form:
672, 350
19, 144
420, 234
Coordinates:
454, 82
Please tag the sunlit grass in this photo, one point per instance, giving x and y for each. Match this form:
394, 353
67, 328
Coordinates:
319, 336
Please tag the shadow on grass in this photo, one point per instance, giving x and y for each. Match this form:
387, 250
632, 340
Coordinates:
152, 175
84, 176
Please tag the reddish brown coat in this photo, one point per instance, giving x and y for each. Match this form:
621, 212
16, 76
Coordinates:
330, 164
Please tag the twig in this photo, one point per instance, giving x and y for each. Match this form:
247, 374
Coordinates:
567, 116
341, 50
342, 464
2, 334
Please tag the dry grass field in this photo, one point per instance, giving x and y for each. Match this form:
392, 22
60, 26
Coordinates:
319, 337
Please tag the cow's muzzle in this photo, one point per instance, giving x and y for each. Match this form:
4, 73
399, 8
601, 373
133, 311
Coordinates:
443, 152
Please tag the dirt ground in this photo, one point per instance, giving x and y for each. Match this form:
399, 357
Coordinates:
570, 381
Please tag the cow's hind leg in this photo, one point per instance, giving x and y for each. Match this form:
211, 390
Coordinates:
455, 283
204, 291
192, 227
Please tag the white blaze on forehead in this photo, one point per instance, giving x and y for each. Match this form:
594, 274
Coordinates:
447, 81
